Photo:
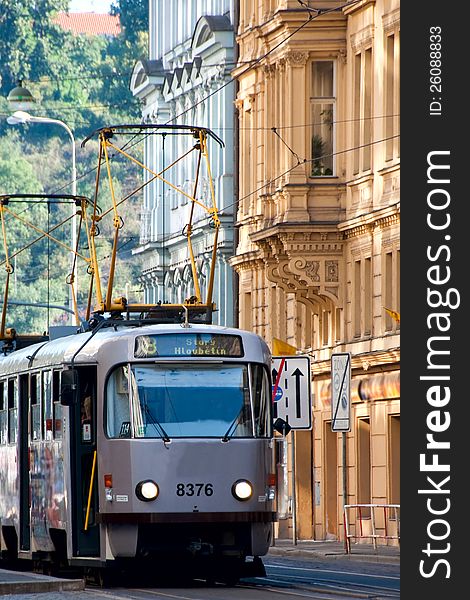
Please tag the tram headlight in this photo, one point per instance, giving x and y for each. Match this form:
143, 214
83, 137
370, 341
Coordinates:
146, 490
242, 490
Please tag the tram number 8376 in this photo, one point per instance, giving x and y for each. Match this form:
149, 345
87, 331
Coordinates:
194, 489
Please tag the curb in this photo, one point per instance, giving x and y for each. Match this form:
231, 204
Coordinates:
37, 585
274, 551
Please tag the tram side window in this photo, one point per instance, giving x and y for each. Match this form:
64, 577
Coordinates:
261, 401
3, 413
118, 416
12, 410
35, 399
47, 401
57, 407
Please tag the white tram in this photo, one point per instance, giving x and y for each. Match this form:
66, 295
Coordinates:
139, 442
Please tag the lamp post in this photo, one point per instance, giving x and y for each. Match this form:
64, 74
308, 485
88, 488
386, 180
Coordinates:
20, 97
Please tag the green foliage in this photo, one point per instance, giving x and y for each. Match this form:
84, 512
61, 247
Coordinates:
27, 32
133, 16
17, 174
83, 82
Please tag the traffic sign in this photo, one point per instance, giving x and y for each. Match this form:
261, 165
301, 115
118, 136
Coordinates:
292, 398
341, 392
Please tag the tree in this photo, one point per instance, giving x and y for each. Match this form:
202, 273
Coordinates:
26, 36
134, 17
84, 82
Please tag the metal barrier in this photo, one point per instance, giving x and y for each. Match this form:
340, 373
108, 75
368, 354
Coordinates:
393, 515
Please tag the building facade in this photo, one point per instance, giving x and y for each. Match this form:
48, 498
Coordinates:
318, 248
191, 54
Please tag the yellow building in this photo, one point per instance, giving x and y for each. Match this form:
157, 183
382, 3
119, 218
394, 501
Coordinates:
318, 233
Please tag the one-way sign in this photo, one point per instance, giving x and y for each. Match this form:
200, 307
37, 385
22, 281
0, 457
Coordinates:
292, 399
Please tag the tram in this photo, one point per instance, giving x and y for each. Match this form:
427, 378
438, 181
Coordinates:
139, 443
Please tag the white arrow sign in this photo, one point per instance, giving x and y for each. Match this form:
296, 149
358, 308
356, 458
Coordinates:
341, 392
292, 398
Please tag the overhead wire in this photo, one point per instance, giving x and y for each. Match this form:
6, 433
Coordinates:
250, 66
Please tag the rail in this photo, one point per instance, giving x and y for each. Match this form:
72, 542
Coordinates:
378, 527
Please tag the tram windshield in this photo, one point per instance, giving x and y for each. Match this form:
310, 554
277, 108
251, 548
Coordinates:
175, 401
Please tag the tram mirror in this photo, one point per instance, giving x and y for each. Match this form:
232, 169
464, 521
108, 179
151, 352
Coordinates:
69, 387
281, 426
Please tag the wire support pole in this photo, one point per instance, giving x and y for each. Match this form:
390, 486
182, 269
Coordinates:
117, 222
215, 217
92, 233
189, 231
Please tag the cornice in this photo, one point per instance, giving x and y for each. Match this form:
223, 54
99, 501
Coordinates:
382, 217
391, 21
358, 6
369, 362
363, 38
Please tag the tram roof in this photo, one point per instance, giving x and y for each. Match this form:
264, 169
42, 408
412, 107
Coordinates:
84, 348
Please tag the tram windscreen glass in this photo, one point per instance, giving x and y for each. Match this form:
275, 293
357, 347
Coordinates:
177, 401
188, 344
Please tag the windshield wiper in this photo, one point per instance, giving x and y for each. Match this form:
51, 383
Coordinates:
229, 433
158, 426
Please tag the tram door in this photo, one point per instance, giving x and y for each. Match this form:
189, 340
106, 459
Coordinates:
85, 530
23, 463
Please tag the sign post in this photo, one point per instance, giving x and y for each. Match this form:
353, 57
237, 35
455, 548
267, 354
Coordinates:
341, 405
292, 401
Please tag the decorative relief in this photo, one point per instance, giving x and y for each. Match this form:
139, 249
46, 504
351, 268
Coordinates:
331, 270
311, 268
311, 276
296, 59
269, 70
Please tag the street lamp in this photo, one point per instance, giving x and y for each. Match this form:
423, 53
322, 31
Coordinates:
21, 117
20, 97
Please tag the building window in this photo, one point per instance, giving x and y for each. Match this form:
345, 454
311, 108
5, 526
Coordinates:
394, 450
323, 117
362, 111
391, 287
392, 96
247, 311
363, 465
362, 297
368, 296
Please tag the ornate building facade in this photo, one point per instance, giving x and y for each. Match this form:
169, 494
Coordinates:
318, 217
190, 57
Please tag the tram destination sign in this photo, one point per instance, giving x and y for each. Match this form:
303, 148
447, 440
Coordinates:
292, 398
341, 392
188, 344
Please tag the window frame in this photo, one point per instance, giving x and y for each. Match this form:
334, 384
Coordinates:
323, 100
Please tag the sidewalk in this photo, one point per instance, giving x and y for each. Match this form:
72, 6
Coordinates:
332, 550
20, 582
